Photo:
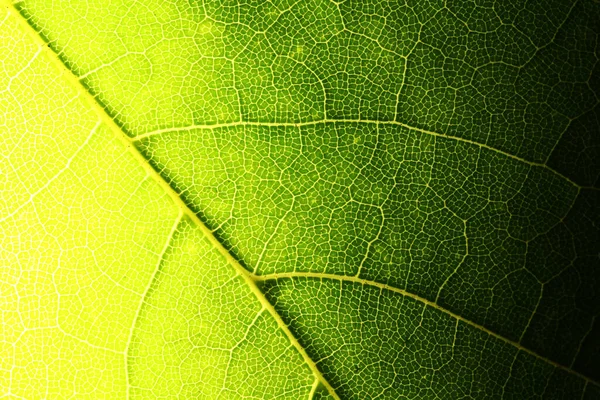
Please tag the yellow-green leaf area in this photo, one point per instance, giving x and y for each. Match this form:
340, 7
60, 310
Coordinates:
301, 199
97, 256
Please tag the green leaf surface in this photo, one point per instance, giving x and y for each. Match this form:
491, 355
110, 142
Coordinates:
300, 200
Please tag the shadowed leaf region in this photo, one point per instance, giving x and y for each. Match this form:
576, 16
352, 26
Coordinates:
300, 199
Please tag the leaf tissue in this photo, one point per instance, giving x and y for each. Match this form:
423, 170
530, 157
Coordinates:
303, 199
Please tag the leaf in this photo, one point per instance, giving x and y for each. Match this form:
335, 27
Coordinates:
314, 199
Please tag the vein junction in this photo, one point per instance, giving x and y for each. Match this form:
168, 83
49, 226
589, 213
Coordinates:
426, 302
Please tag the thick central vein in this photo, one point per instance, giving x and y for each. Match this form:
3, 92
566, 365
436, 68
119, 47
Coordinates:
72, 79
252, 279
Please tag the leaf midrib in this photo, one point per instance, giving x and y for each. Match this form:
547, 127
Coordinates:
185, 210
252, 279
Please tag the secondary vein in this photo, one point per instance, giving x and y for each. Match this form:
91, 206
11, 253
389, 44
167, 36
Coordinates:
354, 121
151, 283
383, 286
72, 79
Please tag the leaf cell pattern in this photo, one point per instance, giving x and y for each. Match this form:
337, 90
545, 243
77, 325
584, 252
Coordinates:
301, 199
